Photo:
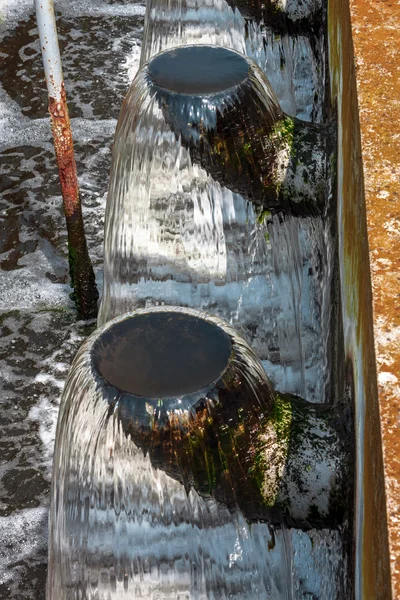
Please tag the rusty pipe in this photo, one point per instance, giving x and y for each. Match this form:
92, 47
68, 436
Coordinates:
81, 271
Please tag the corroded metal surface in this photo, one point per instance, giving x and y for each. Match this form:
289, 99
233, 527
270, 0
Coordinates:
376, 35
81, 271
372, 576
63, 144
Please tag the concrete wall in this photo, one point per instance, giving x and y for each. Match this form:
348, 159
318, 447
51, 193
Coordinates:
371, 554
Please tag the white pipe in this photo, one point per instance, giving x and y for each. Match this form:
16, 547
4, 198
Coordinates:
46, 23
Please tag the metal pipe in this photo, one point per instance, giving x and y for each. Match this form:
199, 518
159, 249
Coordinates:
81, 270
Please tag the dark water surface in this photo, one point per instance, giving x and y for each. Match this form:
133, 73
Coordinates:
162, 355
197, 70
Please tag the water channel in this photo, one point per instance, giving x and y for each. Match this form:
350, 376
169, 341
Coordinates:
288, 257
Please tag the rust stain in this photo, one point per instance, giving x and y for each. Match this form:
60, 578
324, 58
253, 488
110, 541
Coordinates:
376, 35
81, 272
64, 148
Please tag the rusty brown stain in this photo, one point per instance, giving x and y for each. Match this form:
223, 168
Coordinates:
356, 288
64, 148
376, 34
81, 271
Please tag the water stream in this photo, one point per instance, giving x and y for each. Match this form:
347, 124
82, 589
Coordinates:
176, 235
124, 524
292, 63
100, 48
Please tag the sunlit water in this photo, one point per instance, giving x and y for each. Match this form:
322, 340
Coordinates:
176, 236
292, 63
121, 526
100, 51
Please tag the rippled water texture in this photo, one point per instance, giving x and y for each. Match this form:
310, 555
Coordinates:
100, 43
123, 523
175, 235
292, 63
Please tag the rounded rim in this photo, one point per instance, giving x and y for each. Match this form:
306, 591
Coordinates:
162, 352
198, 70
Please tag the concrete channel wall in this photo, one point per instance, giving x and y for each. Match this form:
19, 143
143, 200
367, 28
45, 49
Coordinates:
373, 578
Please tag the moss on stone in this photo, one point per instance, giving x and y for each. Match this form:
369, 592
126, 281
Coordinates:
283, 133
247, 149
263, 217
282, 418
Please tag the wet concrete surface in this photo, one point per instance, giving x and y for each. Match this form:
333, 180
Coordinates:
36, 349
90, 46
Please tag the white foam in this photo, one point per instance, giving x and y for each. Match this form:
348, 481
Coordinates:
13, 10
28, 288
22, 534
18, 130
98, 8
45, 414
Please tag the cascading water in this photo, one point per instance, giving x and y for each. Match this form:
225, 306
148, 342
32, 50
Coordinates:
218, 201
307, 564
121, 526
292, 63
181, 231
176, 466
287, 269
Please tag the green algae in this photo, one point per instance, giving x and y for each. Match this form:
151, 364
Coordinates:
263, 217
282, 133
282, 418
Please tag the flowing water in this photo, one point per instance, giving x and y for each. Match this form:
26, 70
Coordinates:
123, 524
100, 45
292, 63
176, 235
